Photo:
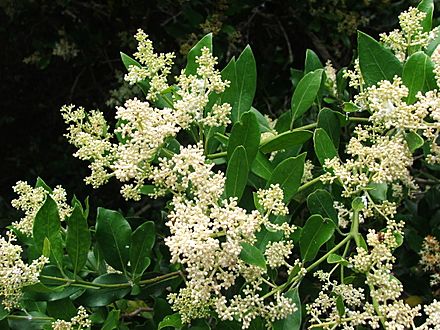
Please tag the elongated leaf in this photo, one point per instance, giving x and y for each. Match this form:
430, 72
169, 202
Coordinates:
237, 173
293, 321
142, 241
418, 75
128, 61
427, 6
288, 175
78, 239
40, 183
376, 62
324, 147
252, 255
314, 234
285, 140
47, 226
321, 202
262, 166
112, 320
305, 93
262, 121
312, 62
414, 141
191, 65
172, 320
245, 133
378, 191
246, 83
113, 235
329, 121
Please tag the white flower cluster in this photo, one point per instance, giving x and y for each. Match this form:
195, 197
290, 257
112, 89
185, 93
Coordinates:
271, 200
142, 129
14, 273
31, 199
206, 236
374, 159
430, 258
79, 322
155, 67
411, 34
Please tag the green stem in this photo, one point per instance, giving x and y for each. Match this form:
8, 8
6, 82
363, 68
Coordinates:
217, 155
30, 317
309, 183
81, 283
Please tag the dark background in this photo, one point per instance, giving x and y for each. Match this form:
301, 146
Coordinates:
37, 79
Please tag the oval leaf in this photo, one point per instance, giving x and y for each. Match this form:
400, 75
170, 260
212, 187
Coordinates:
113, 235
172, 320
314, 234
293, 321
237, 173
78, 239
329, 122
321, 202
376, 62
305, 93
142, 241
262, 166
245, 133
324, 147
191, 65
418, 75
285, 140
288, 175
252, 255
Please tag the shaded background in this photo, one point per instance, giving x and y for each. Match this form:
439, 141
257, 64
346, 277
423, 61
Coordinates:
54, 52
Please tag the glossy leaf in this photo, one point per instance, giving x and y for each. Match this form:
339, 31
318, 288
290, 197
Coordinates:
305, 94
252, 255
414, 141
288, 175
285, 140
245, 133
324, 147
262, 121
113, 235
47, 225
142, 242
262, 166
334, 258
312, 62
112, 320
292, 321
315, 233
329, 122
378, 191
418, 75
237, 173
427, 6
172, 320
246, 83
78, 239
321, 202
191, 65
104, 296
376, 62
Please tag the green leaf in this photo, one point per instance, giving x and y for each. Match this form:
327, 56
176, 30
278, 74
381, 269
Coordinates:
351, 107
312, 62
414, 141
358, 204
334, 258
3, 312
329, 121
142, 241
292, 321
147, 189
262, 121
78, 239
288, 175
172, 320
262, 166
113, 235
418, 75
237, 173
340, 306
378, 191
252, 255
376, 62
324, 147
305, 93
246, 83
112, 320
315, 233
62, 309
245, 133
47, 225
105, 296
285, 140
321, 202
128, 61
40, 183
191, 65
426, 6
